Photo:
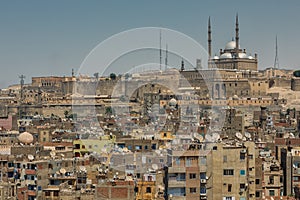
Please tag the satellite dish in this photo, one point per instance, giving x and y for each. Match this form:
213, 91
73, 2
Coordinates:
62, 171
30, 157
52, 154
239, 135
247, 135
154, 166
82, 168
212, 137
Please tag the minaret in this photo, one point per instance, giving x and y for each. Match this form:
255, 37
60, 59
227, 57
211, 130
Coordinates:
237, 34
209, 39
182, 65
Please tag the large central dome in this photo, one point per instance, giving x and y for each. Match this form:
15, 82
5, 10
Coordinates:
230, 45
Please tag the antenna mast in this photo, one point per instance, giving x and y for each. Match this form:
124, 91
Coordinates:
166, 60
276, 62
160, 53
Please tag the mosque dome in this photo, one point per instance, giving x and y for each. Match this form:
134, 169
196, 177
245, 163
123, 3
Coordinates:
250, 57
243, 55
230, 45
172, 102
25, 138
235, 97
216, 57
226, 55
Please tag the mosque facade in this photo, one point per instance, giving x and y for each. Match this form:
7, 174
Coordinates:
232, 56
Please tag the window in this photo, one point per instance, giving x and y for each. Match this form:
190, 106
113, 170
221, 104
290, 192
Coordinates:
148, 190
271, 192
242, 172
257, 181
202, 175
229, 187
257, 194
202, 190
271, 180
203, 160
228, 172
227, 198
193, 176
242, 186
188, 162
224, 158
193, 190
242, 156
177, 161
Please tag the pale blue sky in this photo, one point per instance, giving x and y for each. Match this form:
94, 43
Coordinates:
40, 38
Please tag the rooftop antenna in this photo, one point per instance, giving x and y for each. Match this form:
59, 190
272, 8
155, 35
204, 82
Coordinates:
166, 59
276, 62
160, 53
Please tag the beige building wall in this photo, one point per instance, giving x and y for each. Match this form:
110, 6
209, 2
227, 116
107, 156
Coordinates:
231, 172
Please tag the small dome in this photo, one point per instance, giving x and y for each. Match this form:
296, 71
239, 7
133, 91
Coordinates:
250, 57
172, 102
216, 57
226, 55
235, 97
243, 55
25, 138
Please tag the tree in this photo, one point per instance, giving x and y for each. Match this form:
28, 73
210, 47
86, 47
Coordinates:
113, 76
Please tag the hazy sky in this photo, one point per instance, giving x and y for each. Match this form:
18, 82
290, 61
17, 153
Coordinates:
39, 38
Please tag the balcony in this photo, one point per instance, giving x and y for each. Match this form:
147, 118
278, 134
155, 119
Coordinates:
176, 169
176, 183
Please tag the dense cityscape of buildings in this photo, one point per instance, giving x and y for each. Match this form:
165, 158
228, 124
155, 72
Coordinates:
228, 132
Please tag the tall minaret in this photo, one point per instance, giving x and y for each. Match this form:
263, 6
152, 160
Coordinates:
209, 39
237, 33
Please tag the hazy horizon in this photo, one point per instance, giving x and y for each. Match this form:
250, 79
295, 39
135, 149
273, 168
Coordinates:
52, 37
